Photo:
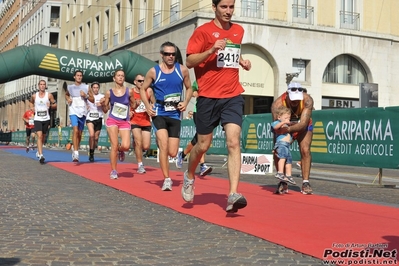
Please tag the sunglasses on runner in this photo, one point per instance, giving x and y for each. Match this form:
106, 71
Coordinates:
168, 54
295, 89
140, 80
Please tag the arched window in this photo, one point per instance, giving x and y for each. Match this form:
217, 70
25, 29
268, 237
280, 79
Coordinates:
345, 69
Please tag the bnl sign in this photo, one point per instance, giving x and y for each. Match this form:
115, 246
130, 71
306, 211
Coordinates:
342, 104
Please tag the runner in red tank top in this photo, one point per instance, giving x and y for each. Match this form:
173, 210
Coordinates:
140, 123
29, 119
214, 51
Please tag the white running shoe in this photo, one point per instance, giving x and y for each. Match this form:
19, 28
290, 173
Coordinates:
167, 184
113, 174
141, 169
235, 201
75, 157
187, 191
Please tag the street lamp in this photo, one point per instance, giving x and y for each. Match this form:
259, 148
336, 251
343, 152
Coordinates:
289, 76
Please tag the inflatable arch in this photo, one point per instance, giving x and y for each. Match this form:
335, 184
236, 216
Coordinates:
57, 63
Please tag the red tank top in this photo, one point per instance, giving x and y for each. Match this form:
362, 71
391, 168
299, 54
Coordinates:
140, 116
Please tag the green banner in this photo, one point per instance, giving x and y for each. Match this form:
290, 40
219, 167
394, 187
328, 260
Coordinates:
256, 134
19, 136
188, 131
61, 64
6, 137
103, 140
66, 135
357, 137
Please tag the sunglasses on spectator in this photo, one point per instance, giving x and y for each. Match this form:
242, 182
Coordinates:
140, 80
168, 54
299, 89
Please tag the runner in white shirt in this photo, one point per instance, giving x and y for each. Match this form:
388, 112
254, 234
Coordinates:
94, 120
77, 96
40, 103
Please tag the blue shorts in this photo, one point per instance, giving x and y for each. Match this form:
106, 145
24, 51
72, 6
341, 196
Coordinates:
78, 121
283, 151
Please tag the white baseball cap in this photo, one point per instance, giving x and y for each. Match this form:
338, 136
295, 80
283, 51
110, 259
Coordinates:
295, 91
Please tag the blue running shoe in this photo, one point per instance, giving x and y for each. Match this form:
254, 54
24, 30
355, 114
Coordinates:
179, 160
205, 170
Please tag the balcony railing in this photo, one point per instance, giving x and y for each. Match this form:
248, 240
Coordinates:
54, 22
302, 14
349, 20
252, 9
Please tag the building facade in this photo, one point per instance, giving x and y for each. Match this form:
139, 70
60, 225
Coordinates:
26, 23
336, 49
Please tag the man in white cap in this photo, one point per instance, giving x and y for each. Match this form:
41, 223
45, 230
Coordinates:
301, 105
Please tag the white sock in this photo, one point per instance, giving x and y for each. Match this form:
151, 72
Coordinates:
305, 181
140, 164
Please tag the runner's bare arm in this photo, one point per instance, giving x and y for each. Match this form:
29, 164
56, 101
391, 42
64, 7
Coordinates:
150, 93
25, 119
133, 102
305, 116
104, 107
90, 95
53, 103
68, 97
189, 90
245, 64
105, 101
149, 77
194, 60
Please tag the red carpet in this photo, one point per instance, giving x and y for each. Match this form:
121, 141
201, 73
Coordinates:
307, 224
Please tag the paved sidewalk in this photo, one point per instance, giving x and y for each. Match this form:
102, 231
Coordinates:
51, 217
